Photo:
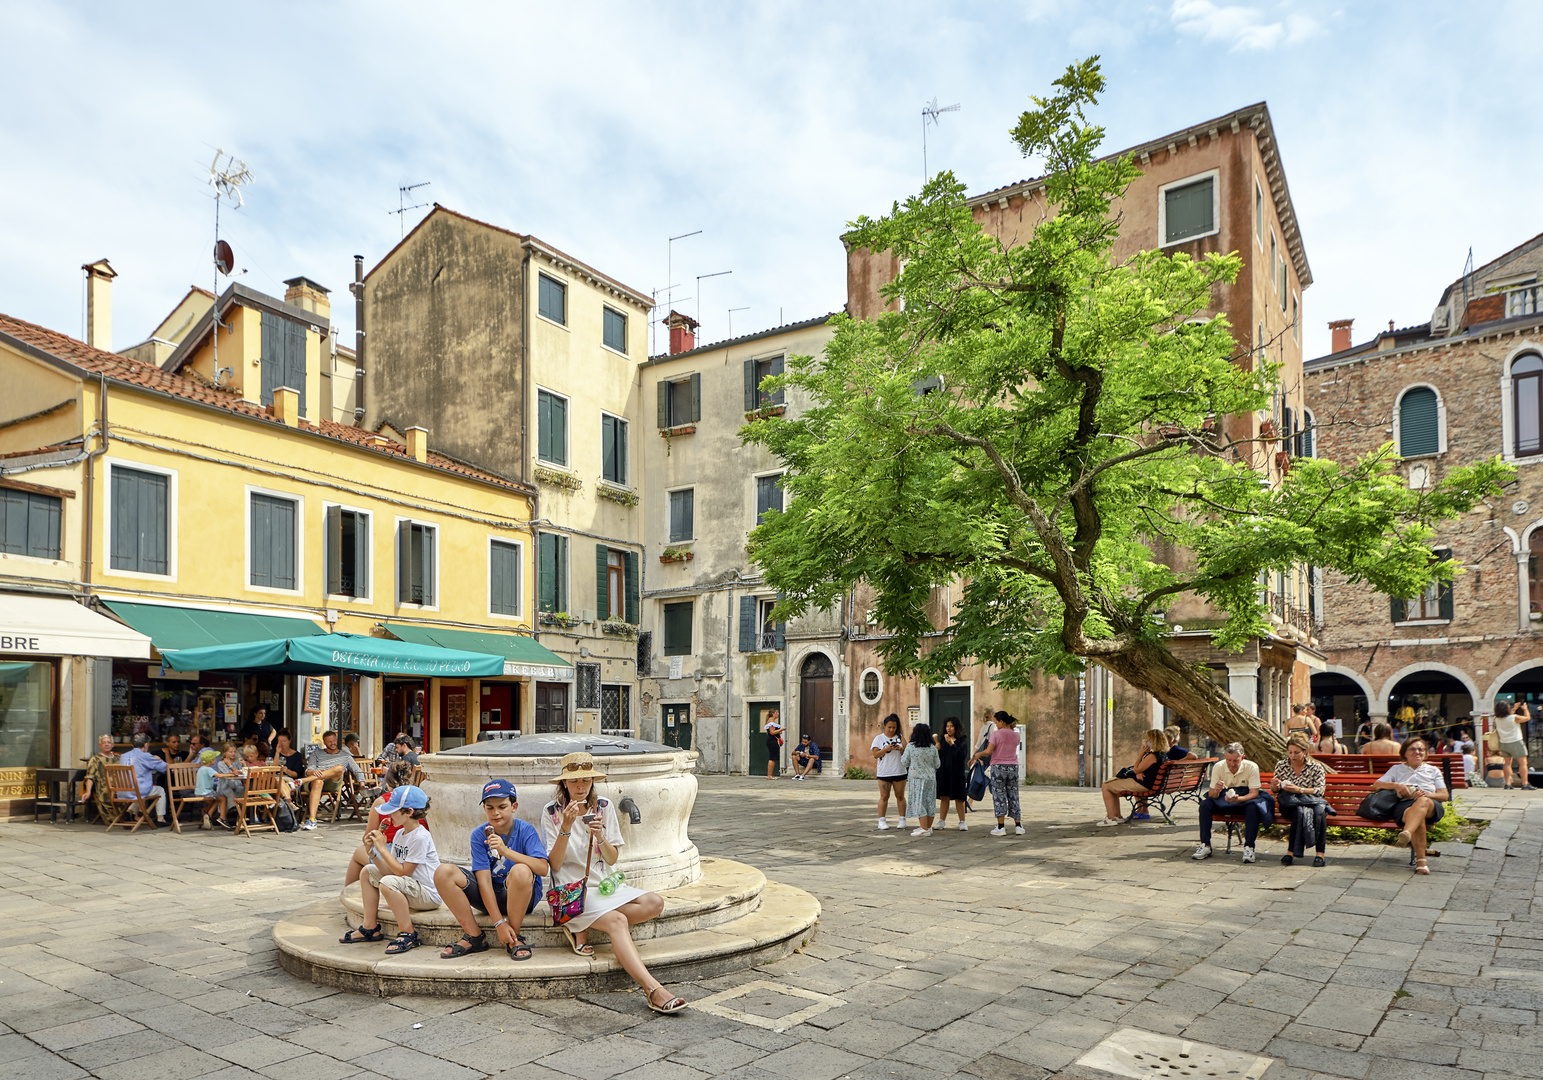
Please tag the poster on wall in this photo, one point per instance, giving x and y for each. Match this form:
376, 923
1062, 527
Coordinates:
455, 713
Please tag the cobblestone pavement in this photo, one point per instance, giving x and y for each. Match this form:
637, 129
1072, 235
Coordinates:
960, 955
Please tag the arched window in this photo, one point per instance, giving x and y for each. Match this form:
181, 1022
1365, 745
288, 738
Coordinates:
1527, 400
1419, 423
1535, 571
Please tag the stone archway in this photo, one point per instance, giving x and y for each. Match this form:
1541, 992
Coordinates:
817, 701
1344, 694
1428, 698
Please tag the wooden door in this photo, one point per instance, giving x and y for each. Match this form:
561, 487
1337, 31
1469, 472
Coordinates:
949, 702
677, 726
816, 699
551, 708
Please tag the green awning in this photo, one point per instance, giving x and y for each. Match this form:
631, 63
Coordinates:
192, 628
327, 653
522, 655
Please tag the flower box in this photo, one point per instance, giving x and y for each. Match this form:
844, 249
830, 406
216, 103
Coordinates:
557, 618
558, 478
620, 495
670, 555
619, 628
677, 430
765, 412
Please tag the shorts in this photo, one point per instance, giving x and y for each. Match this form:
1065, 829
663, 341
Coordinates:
331, 786
418, 896
1126, 786
473, 893
1438, 811
1513, 749
899, 779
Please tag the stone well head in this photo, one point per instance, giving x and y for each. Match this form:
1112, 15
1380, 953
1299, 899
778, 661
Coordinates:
659, 780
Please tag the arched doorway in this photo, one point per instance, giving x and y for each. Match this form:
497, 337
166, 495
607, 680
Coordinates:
1428, 703
1339, 697
1528, 686
816, 701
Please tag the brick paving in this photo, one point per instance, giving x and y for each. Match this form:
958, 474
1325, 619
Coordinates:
962, 955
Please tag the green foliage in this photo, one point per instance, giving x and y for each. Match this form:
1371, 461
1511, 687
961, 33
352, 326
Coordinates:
1075, 469
855, 772
1454, 825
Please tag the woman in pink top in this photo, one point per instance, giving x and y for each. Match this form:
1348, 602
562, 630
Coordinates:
1002, 749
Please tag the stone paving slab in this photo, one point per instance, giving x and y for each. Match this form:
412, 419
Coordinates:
953, 957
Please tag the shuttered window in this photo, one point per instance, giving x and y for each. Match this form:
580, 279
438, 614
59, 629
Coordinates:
552, 572
1434, 603
757, 371
139, 521
415, 563
29, 523
348, 552
1305, 440
283, 357
682, 515
552, 427
768, 496
273, 542
503, 578
680, 402
613, 331
1527, 395
552, 299
677, 629
1418, 423
613, 449
1189, 211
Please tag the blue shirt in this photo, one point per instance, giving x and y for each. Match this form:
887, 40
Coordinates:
522, 837
810, 747
145, 765
203, 780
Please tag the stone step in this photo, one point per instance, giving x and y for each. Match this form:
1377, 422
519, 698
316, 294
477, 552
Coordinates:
727, 890
308, 948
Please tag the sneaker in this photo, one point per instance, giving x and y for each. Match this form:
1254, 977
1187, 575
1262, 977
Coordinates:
1108, 821
1143, 816
900, 824
999, 831
1248, 854
883, 825
308, 824
963, 827
1202, 852
1018, 830
206, 824
918, 831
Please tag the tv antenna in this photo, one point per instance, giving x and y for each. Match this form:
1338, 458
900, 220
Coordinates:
401, 202
930, 111
669, 296
699, 279
227, 184
732, 310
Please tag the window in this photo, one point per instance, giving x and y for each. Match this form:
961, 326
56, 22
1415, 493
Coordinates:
139, 521
1282, 289
415, 566
586, 691
1434, 604
348, 552
680, 402
1258, 214
27, 715
613, 330
613, 448
1535, 571
552, 572
758, 631
552, 299
1419, 422
1528, 301
927, 384
870, 686
677, 629
283, 357
1296, 320
272, 538
1527, 398
551, 427
503, 578
616, 584
1305, 439
1189, 209
615, 709
768, 496
682, 515
755, 372
29, 523
769, 630
1274, 255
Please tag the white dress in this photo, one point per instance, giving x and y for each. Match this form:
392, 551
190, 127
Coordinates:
572, 867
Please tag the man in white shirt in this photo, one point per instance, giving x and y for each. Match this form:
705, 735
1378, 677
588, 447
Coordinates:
1509, 725
1234, 786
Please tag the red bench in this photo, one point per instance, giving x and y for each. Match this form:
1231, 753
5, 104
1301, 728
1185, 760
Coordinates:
1341, 791
1175, 782
1451, 765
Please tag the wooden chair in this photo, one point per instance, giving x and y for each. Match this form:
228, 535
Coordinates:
180, 781
355, 798
124, 786
261, 796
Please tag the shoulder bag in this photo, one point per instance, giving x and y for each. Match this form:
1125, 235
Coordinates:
566, 901
1378, 806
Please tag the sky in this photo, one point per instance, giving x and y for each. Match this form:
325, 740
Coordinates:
1409, 133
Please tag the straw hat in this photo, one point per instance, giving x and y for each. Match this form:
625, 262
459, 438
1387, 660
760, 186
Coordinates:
579, 766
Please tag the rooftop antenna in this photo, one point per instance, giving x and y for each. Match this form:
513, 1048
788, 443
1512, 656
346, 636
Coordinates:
227, 183
732, 310
401, 202
669, 295
930, 111
699, 278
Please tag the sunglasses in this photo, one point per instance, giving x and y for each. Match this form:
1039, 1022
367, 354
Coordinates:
577, 765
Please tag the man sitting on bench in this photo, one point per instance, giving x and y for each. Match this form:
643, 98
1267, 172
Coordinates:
1234, 786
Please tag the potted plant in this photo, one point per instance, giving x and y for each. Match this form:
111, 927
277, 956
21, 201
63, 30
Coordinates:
558, 618
619, 627
620, 495
676, 554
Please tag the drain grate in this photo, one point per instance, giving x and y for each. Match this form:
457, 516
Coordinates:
1143, 1055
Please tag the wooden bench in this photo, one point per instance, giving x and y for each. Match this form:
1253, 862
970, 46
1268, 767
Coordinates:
1342, 792
1175, 782
1451, 765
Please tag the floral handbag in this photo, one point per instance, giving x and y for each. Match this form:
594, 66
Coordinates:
566, 901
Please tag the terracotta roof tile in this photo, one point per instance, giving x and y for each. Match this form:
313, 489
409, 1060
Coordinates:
126, 370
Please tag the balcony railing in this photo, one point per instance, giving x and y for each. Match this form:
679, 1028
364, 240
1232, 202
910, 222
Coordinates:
767, 641
1288, 614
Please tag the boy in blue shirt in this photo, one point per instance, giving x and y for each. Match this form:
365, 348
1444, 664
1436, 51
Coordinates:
508, 861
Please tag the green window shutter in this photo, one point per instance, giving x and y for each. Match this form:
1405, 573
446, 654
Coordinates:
361, 555
546, 572
747, 623
284, 561
404, 563
139, 521
608, 449
294, 359
562, 572
696, 398
780, 636
1445, 598
602, 582
1398, 608
426, 563
272, 355
614, 331
1188, 211
559, 431
262, 541
504, 578
543, 425
334, 534
776, 369
664, 404
125, 503
1419, 429
632, 586
751, 389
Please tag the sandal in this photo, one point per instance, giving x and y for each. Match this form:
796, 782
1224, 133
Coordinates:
672, 1004
1403, 839
583, 949
458, 950
406, 941
361, 934
520, 950
1420, 867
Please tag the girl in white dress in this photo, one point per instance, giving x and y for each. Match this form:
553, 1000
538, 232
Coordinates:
568, 841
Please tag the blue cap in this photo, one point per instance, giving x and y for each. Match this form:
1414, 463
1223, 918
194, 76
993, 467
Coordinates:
404, 796
498, 789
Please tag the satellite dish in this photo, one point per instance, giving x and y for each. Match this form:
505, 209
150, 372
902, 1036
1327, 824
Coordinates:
224, 258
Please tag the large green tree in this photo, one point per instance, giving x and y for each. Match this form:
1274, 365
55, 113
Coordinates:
1034, 420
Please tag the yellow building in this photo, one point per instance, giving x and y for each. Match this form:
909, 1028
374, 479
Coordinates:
206, 502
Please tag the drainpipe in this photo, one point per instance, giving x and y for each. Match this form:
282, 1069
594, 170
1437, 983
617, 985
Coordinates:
86, 533
534, 497
358, 340
728, 684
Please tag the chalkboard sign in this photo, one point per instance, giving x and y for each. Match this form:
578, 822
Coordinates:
313, 695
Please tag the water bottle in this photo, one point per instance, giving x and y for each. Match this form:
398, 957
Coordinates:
609, 883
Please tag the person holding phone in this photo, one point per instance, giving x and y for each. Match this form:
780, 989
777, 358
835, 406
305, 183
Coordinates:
887, 748
773, 731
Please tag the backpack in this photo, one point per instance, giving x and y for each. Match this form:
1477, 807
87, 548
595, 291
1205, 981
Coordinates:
284, 817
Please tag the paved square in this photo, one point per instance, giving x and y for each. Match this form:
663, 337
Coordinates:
956, 956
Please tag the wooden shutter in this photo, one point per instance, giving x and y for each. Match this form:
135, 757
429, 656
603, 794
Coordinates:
776, 369
294, 359
752, 394
426, 562
1398, 609
272, 358
602, 582
362, 554
1445, 598
779, 635
632, 586
747, 605
559, 430
544, 425
664, 404
284, 561
546, 574
1189, 211
1418, 423
608, 449
1286, 428
404, 562
151, 520
261, 556
696, 398
504, 578
125, 505
334, 534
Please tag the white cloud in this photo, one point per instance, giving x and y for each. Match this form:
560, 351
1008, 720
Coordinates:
1246, 28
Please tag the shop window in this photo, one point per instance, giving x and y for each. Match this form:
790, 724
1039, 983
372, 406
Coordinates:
552, 572
682, 515
139, 520
272, 538
348, 552
416, 567
613, 448
552, 299
768, 496
552, 427
503, 578
613, 332
677, 629
1527, 400
680, 402
26, 715
756, 371
29, 523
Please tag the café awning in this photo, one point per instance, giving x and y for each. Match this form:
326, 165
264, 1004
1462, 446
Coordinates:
193, 627
58, 626
325, 654
523, 656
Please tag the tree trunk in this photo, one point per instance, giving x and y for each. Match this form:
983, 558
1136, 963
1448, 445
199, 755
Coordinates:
1190, 694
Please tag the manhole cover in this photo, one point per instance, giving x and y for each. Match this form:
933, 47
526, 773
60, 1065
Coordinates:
1145, 1056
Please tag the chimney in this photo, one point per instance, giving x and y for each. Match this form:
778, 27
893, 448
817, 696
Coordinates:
99, 304
305, 293
286, 406
1341, 330
682, 332
418, 443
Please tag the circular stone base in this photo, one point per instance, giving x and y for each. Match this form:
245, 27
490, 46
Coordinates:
729, 920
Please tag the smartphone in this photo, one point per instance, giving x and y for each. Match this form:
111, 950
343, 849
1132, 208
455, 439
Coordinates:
590, 819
